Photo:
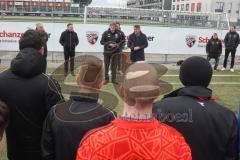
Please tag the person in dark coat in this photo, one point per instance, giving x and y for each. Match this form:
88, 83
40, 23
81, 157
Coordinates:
44, 51
4, 119
67, 123
210, 129
69, 41
137, 42
112, 42
40, 29
214, 49
29, 94
231, 43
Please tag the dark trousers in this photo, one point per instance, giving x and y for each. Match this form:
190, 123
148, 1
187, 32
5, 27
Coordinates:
69, 55
216, 61
120, 61
233, 54
113, 60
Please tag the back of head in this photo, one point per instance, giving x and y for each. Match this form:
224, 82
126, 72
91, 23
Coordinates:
140, 84
31, 39
91, 73
196, 71
4, 116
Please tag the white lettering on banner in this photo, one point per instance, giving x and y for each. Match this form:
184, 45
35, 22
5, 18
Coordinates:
162, 40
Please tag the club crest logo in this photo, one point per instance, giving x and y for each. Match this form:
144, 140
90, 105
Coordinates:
191, 40
92, 37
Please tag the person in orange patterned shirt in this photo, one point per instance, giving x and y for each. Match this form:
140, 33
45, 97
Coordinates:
136, 135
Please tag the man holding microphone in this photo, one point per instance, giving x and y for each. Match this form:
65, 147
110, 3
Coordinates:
112, 42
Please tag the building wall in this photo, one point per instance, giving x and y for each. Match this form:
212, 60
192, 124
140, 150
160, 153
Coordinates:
192, 5
150, 4
232, 7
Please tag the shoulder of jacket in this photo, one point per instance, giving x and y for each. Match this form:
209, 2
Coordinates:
97, 131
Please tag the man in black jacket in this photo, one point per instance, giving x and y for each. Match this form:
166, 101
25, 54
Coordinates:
4, 119
137, 42
112, 42
214, 49
67, 123
69, 41
29, 95
209, 128
231, 43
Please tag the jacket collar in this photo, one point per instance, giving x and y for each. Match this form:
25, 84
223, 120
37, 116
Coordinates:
196, 92
84, 97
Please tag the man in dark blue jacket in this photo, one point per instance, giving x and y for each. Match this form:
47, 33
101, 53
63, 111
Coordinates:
137, 42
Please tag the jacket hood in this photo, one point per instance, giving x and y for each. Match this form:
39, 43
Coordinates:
192, 91
28, 63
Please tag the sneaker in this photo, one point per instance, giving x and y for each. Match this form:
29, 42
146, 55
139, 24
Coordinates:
232, 70
223, 69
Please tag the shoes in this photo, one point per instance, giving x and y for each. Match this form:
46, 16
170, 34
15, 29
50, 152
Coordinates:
223, 69
232, 70
105, 82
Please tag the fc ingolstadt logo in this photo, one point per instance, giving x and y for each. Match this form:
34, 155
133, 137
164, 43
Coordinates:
92, 37
191, 40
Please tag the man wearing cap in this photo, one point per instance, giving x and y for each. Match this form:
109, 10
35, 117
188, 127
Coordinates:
67, 123
209, 128
135, 134
112, 42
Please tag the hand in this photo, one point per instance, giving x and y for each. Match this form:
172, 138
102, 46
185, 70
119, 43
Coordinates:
137, 48
112, 45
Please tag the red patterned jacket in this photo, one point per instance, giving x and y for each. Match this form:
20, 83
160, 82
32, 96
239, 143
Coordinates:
132, 140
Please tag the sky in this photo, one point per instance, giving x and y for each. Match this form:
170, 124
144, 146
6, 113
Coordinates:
110, 3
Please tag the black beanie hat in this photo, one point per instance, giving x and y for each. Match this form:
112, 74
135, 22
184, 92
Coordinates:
196, 71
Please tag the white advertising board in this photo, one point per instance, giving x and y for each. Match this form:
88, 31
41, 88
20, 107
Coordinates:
162, 40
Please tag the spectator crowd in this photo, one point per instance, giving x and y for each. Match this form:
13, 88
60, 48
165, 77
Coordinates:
41, 124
